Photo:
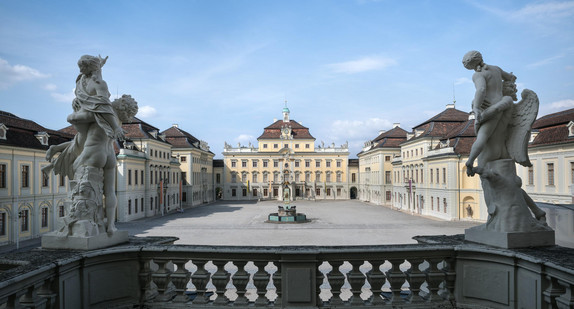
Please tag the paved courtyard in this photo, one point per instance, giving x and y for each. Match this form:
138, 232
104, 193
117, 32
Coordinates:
332, 223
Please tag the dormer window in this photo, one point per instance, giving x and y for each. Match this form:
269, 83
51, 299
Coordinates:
570, 126
534, 134
43, 138
153, 133
162, 137
3, 130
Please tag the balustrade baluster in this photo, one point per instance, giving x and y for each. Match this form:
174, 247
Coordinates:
450, 278
336, 280
149, 290
220, 279
240, 281
416, 278
277, 283
434, 278
161, 278
356, 279
180, 278
31, 299
396, 279
200, 278
554, 290
376, 279
566, 300
261, 280
48, 292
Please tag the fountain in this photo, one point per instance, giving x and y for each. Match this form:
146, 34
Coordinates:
287, 213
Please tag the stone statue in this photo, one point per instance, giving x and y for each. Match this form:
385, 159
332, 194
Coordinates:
90, 159
502, 134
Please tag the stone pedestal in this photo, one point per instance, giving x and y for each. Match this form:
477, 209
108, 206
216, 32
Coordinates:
509, 240
55, 241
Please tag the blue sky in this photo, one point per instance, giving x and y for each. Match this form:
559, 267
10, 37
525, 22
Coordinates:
223, 69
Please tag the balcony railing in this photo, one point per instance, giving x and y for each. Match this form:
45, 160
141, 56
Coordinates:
151, 273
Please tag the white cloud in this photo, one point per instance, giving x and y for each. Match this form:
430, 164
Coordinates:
563, 104
146, 111
50, 87
462, 80
11, 74
244, 139
360, 129
362, 65
548, 11
544, 61
63, 97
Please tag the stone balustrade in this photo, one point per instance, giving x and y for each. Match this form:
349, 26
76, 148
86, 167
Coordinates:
443, 273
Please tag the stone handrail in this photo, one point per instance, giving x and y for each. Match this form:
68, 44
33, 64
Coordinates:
154, 274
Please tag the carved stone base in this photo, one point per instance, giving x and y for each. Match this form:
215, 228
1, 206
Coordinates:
55, 241
509, 240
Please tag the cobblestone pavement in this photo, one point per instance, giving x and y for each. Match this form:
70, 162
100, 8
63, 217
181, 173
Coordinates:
332, 223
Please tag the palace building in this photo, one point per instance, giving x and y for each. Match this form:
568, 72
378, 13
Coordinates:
287, 156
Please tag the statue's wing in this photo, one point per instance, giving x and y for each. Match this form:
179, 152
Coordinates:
523, 116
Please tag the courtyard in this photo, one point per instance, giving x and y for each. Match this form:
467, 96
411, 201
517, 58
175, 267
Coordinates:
333, 223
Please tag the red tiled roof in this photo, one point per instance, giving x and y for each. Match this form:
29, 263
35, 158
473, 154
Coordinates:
179, 138
297, 130
563, 117
460, 137
553, 129
448, 115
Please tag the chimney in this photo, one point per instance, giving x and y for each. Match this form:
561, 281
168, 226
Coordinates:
381, 132
450, 106
471, 116
396, 125
175, 125
274, 120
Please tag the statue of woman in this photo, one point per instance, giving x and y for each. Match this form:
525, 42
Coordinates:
95, 118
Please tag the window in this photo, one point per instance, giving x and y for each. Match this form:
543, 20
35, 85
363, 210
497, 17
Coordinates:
244, 192
217, 178
265, 146
244, 177
254, 192
387, 158
307, 163
531, 175
24, 220
129, 207
444, 205
443, 175
550, 168
254, 178
297, 177
388, 195
233, 164
233, 178
265, 163
233, 192
45, 179
328, 177
2, 223
339, 177
265, 192
296, 163
243, 163
318, 191
286, 146
44, 216
571, 172
129, 177
142, 204
265, 177
25, 176
136, 177
338, 191
328, 163
275, 177
422, 176
136, 206
2, 175
432, 203
307, 146
254, 163
183, 159
275, 145
307, 177
353, 177
317, 163
142, 177
387, 177
328, 191
431, 174
275, 192
437, 178
297, 146
61, 211
62, 180
275, 163
437, 204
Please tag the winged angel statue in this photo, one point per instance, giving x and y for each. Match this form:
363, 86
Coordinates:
502, 134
